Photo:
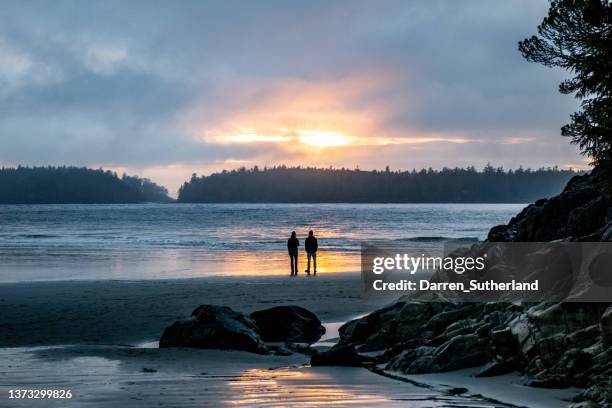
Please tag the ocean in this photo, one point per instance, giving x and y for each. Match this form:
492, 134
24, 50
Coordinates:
167, 241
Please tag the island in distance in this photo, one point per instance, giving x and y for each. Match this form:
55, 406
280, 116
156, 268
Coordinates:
79, 185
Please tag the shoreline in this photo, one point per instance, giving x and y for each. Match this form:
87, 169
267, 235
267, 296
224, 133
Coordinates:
179, 279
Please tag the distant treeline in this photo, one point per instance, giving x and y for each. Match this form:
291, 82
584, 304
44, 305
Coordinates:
316, 185
64, 185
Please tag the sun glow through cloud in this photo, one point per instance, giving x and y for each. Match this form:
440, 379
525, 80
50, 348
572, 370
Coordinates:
326, 138
309, 137
307, 116
323, 139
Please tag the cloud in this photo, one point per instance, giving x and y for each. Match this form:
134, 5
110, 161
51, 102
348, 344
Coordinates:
206, 85
19, 69
13, 63
103, 59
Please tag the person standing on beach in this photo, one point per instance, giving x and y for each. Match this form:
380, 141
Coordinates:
292, 247
311, 245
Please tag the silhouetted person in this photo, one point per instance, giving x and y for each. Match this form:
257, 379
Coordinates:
311, 245
292, 247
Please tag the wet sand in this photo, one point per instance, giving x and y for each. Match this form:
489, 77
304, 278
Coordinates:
132, 312
96, 338
126, 377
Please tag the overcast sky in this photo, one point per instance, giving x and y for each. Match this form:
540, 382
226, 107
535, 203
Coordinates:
165, 89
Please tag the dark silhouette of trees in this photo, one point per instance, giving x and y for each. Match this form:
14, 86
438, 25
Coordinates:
577, 36
62, 185
317, 185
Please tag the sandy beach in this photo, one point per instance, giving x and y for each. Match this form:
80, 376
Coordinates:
133, 312
99, 338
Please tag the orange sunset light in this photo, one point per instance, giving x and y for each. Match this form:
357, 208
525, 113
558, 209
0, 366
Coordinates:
318, 138
323, 138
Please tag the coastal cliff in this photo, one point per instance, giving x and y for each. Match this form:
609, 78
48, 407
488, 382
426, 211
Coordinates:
555, 345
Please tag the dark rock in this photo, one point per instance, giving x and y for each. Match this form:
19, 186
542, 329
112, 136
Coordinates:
441, 321
461, 352
462, 327
550, 349
484, 330
605, 325
588, 217
504, 342
549, 219
500, 233
359, 330
585, 337
288, 323
215, 327
598, 394
599, 269
405, 359
389, 326
398, 348
606, 236
542, 330
499, 319
573, 362
340, 355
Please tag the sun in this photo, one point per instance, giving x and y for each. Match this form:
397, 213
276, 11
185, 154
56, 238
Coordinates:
315, 138
322, 138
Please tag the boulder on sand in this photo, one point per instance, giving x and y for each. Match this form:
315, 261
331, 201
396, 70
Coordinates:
215, 327
289, 324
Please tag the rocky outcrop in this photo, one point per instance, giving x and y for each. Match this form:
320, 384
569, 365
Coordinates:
461, 351
580, 212
553, 344
215, 327
288, 324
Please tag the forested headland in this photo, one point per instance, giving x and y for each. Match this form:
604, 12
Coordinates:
75, 185
318, 185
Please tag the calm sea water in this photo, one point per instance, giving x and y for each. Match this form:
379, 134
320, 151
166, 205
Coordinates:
55, 242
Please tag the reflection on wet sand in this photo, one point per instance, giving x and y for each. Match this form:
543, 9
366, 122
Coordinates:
126, 377
295, 387
277, 263
161, 263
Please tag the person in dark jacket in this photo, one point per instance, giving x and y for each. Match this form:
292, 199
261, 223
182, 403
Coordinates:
311, 245
292, 247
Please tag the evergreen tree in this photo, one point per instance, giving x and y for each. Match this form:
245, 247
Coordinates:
304, 185
577, 36
62, 185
